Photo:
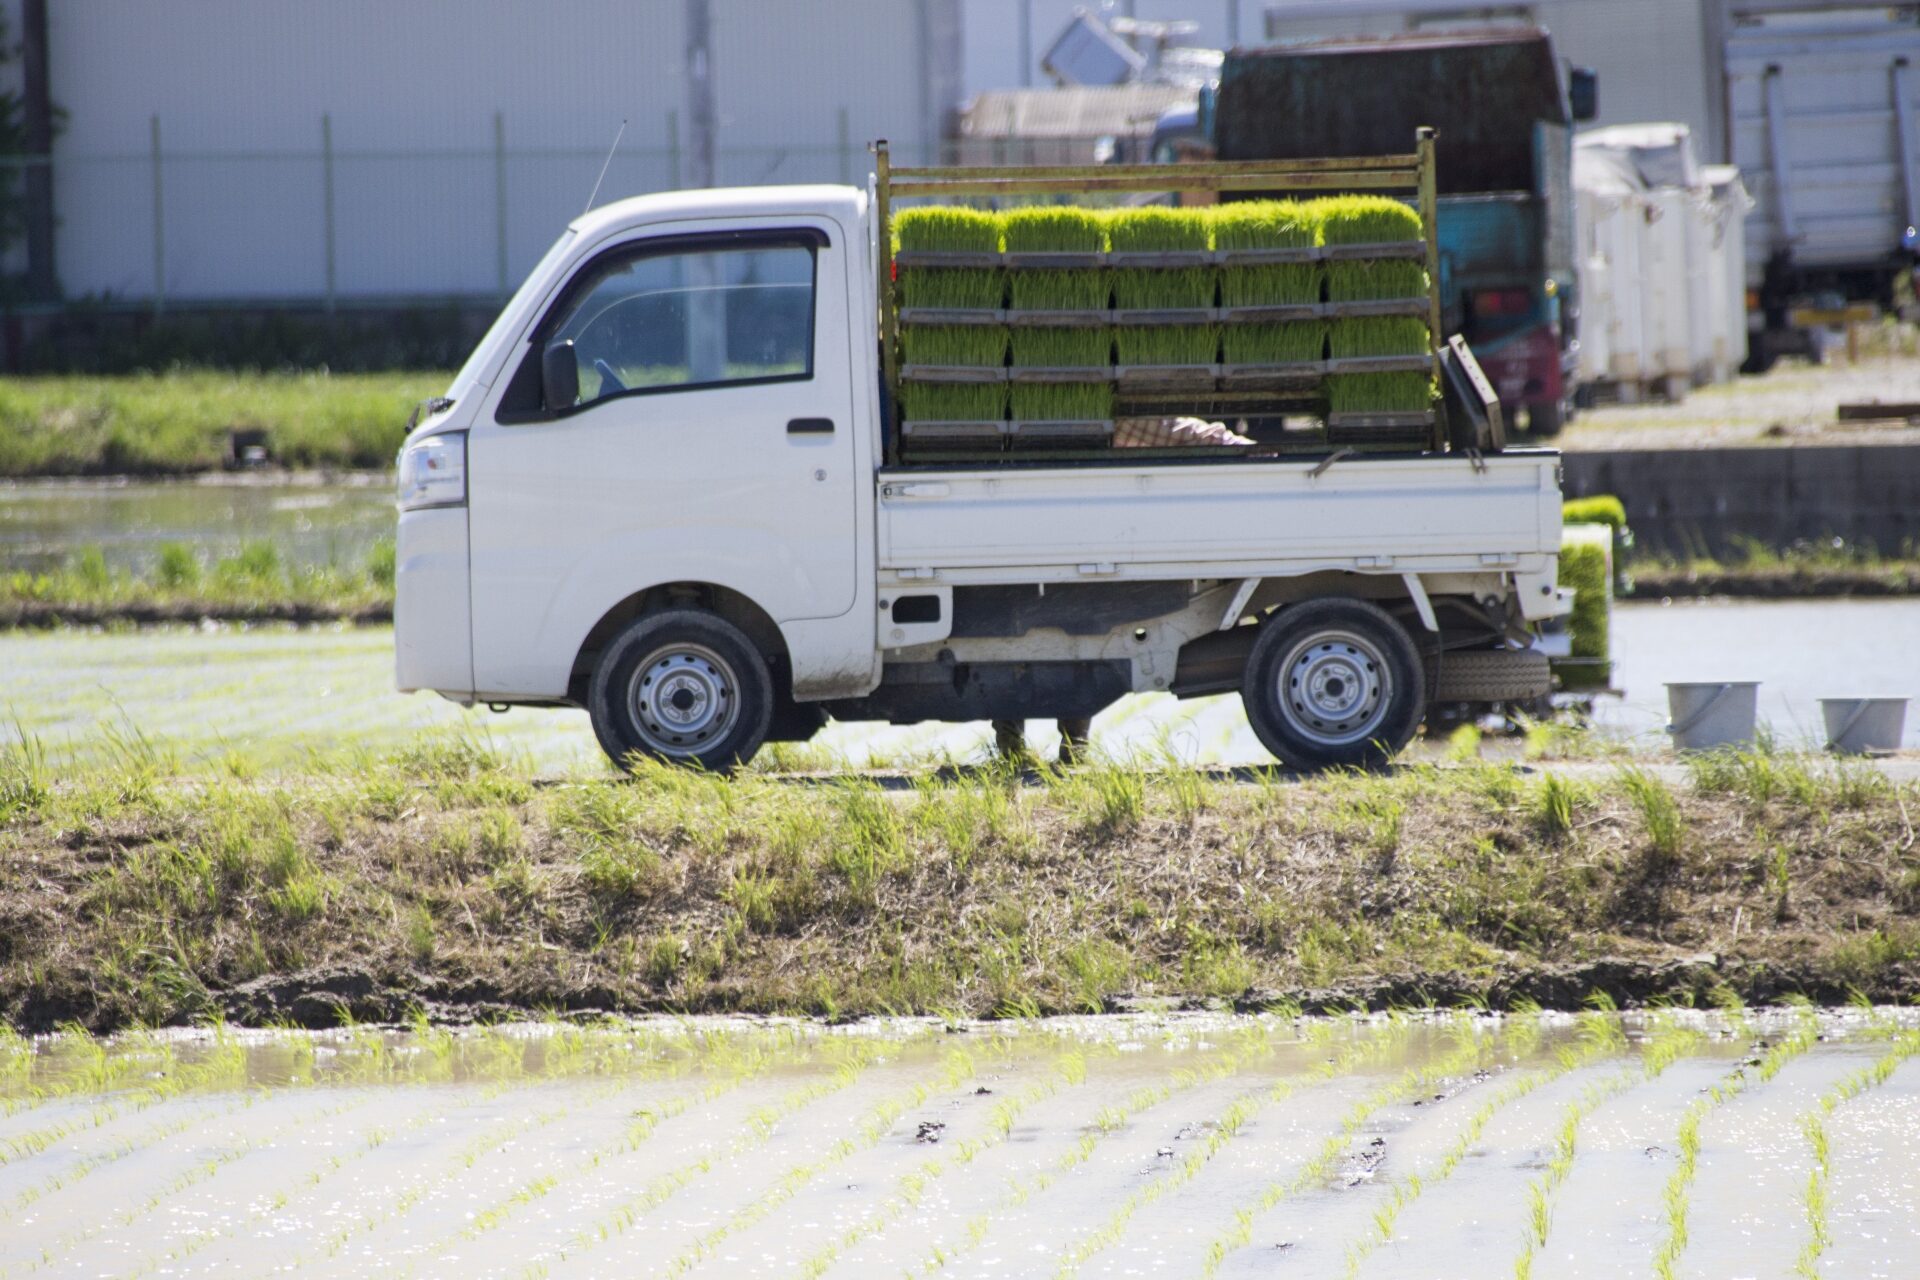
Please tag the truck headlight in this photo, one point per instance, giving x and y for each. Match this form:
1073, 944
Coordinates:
433, 472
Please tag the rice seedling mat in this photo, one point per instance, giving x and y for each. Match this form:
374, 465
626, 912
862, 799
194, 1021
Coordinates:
1394, 250
1266, 313
952, 373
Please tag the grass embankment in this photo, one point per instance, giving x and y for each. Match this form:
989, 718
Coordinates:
444, 877
177, 423
1803, 571
253, 585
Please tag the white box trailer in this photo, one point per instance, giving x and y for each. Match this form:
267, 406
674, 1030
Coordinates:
1662, 259
668, 487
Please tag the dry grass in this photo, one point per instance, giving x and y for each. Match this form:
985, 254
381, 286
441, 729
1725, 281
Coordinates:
443, 876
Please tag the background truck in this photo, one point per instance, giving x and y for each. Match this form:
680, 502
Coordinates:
673, 486
1820, 102
1505, 217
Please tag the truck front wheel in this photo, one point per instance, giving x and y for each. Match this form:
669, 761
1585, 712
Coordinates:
684, 686
1334, 681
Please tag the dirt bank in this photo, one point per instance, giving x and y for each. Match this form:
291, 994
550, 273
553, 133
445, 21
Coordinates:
440, 879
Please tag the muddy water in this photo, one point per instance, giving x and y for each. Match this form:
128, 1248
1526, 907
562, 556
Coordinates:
280, 693
331, 522
1185, 1145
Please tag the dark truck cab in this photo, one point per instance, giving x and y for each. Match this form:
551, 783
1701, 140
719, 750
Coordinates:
1505, 213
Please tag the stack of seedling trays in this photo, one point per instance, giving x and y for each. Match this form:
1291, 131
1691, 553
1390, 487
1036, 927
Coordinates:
1033, 329
1379, 386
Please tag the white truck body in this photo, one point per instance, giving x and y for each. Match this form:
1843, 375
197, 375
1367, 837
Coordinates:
769, 501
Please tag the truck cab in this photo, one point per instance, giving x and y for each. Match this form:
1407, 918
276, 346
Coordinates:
666, 489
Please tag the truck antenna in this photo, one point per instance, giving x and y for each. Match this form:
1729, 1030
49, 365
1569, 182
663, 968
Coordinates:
595, 193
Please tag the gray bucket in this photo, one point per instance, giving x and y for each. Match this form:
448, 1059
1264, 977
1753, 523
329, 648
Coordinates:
1856, 726
1705, 716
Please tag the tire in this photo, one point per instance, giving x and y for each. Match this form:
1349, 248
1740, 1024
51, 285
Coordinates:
684, 686
1492, 675
1545, 418
1334, 681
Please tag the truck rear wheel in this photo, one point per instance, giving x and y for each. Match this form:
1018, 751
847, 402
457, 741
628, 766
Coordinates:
1334, 681
684, 686
1546, 418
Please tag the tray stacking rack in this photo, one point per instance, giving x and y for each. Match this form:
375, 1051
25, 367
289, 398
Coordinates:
1227, 389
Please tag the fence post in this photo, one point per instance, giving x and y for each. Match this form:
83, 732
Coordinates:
500, 197
846, 150
159, 226
326, 197
673, 146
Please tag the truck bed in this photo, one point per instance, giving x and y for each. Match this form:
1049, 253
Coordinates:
1041, 523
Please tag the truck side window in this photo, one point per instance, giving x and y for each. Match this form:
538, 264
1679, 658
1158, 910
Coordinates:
699, 317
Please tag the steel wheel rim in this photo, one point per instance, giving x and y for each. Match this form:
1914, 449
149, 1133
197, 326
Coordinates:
683, 699
1334, 687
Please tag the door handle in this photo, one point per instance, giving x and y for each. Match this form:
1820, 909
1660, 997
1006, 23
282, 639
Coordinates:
810, 427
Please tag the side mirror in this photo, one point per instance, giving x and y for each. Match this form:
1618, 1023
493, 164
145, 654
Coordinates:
559, 376
1583, 94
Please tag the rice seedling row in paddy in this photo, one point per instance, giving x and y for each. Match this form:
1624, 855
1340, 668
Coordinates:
1069, 1072
1819, 1142
266, 1205
1106, 1124
1470, 1053
1601, 1038
1677, 1196
732, 1073
195, 1174
958, 1068
759, 1129
1221, 1129
1667, 1044
727, 1059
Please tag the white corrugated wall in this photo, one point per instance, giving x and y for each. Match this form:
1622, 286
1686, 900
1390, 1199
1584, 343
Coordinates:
243, 196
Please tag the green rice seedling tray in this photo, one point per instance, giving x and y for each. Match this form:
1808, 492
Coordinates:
1378, 364
1268, 313
1138, 377
952, 373
1250, 377
1078, 429
909, 258
1381, 251
1346, 433
968, 431
1099, 373
1328, 259
1380, 421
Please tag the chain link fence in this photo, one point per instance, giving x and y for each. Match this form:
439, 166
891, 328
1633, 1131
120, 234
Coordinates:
351, 227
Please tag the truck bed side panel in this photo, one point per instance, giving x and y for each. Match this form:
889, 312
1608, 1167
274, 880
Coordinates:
1424, 513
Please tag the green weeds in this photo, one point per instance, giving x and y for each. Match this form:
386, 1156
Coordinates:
176, 422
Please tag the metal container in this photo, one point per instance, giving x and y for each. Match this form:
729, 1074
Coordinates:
1713, 714
1856, 726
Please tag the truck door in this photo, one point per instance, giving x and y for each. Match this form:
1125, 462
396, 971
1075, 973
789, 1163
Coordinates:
710, 440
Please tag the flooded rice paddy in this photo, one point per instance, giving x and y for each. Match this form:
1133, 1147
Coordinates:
310, 520
281, 693
1428, 1145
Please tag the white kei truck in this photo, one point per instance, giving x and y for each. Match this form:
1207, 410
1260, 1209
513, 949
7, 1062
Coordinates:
672, 486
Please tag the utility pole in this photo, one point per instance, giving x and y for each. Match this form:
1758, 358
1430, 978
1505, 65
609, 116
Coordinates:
700, 113
37, 122
1026, 44
706, 303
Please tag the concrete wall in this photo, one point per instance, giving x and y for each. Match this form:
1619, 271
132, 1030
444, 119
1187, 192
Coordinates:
1701, 502
245, 203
